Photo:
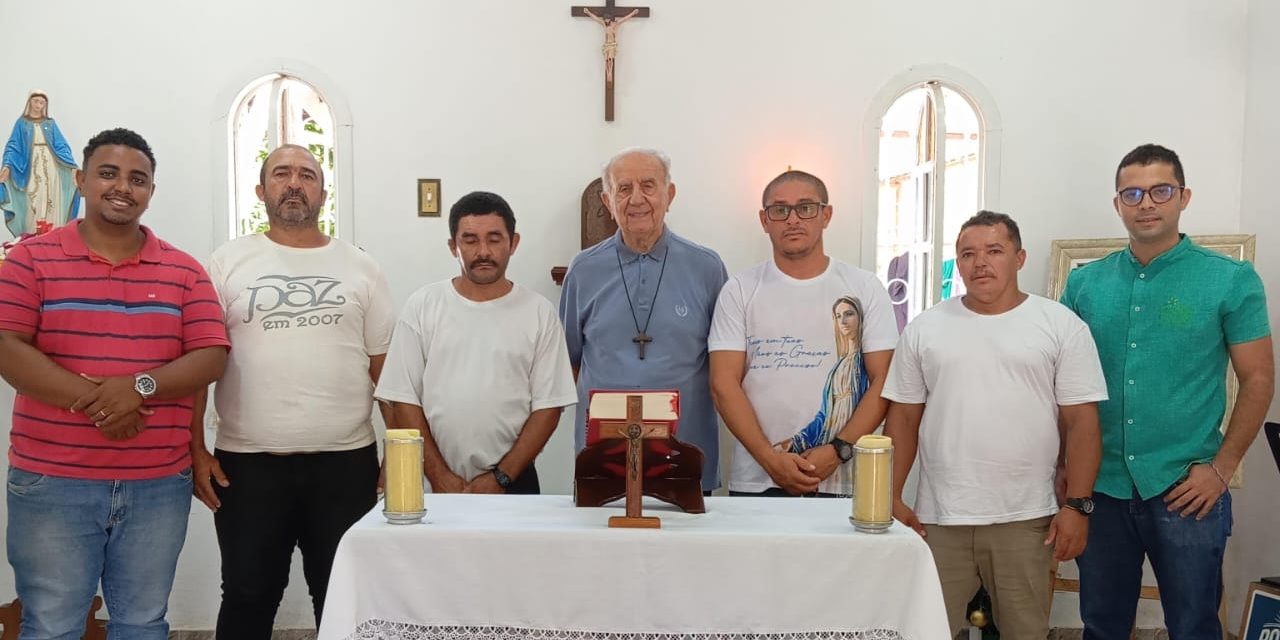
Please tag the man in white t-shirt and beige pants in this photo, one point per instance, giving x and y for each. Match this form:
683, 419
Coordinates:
978, 384
310, 319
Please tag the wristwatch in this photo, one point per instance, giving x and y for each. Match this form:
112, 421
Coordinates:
145, 385
1083, 505
503, 479
844, 450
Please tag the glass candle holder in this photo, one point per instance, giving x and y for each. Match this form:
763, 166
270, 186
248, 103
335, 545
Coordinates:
872, 484
403, 498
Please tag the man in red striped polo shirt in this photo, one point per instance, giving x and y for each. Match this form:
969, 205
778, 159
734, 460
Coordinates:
106, 332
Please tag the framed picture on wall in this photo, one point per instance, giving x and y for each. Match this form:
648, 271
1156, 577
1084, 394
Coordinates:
1067, 255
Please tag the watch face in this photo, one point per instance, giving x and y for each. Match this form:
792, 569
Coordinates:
844, 451
145, 385
1083, 505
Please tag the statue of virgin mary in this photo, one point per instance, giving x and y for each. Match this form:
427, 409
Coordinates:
37, 173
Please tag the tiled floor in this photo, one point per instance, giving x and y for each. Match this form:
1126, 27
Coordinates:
1077, 634
280, 634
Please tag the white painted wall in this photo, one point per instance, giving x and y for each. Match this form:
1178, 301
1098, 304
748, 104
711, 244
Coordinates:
1253, 552
505, 96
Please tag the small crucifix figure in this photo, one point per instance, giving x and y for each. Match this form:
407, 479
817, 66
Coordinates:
641, 340
635, 430
610, 17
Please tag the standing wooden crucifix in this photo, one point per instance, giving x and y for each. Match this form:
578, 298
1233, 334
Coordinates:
634, 430
610, 17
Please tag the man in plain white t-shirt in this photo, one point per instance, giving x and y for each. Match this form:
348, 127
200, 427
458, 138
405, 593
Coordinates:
478, 364
310, 319
800, 345
978, 384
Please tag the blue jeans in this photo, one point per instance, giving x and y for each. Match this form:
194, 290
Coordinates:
1185, 553
67, 534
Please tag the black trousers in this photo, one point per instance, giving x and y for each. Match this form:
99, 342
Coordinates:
277, 502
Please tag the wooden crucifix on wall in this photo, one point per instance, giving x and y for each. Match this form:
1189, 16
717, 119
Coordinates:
610, 17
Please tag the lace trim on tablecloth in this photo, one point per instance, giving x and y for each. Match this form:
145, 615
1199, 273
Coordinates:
385, 630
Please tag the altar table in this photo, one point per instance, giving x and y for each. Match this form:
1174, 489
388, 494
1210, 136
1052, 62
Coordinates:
497, 567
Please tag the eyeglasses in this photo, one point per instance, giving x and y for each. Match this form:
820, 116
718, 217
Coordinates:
1160, 194
804, 211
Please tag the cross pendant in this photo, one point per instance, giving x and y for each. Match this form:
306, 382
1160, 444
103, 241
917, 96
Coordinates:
641, 340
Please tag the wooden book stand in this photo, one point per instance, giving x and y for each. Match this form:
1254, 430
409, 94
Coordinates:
605, 471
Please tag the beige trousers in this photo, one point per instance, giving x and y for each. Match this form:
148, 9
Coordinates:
1010, 559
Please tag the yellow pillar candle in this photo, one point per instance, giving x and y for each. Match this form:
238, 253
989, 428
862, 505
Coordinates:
872, 479
404, 476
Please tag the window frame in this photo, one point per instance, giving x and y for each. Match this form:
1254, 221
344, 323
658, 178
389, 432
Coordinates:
227, 102
936, 78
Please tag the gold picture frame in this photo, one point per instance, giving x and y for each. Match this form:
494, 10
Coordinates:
1066, 255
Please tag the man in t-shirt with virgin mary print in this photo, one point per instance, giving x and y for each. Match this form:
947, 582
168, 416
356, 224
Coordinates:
800, 346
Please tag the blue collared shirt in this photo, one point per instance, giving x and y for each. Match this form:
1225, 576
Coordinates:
599, 328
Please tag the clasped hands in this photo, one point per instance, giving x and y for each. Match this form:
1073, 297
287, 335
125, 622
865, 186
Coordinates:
113, 406
449, 482
800, 473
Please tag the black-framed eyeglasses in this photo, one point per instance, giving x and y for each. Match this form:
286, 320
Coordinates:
804, 211
1160, 194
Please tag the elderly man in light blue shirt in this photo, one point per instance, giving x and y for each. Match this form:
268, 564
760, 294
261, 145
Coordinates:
637, 307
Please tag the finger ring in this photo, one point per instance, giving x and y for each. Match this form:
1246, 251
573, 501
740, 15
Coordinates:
103, 414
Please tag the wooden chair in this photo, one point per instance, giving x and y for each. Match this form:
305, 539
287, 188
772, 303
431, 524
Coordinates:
1071, 585
11, 621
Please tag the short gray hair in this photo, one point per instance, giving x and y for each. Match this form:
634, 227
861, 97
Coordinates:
644, 151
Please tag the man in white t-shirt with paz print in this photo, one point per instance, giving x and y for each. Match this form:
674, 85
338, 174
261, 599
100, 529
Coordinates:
310, 319
800, 346
478, 364
978, 384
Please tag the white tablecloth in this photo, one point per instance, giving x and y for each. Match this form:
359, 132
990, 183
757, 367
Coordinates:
538, 568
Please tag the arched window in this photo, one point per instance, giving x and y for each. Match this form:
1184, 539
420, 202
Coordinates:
930, 172
271, 111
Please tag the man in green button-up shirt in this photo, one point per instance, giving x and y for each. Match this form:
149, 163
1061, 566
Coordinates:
1167, 316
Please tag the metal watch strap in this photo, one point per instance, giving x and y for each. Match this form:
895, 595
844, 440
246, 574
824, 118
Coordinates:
144, 384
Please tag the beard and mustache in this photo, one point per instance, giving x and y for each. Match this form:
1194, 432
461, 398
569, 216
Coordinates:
300, 214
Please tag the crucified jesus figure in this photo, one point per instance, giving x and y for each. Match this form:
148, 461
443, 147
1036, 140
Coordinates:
610, 48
